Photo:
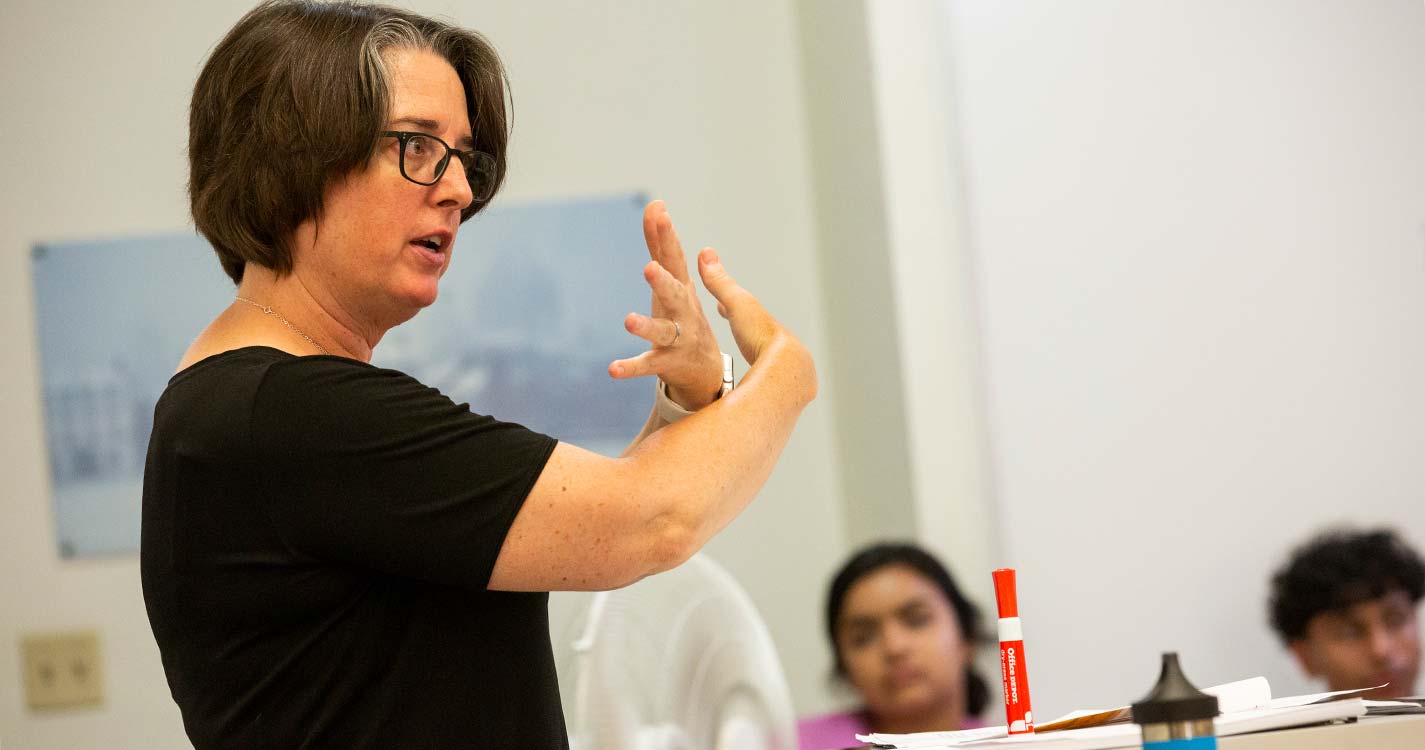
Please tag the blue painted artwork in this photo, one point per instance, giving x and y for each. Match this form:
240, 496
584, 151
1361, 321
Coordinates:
529, 316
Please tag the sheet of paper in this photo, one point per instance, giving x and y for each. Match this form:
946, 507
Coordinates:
1094, 738
1253, 692
1304, 700
1128, 735
1242, 695
934, 739
1260, 719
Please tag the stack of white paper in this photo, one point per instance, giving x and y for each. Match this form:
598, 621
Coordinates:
1246, 705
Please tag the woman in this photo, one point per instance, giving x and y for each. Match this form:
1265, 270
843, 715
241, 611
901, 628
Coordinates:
904, 637
333, 554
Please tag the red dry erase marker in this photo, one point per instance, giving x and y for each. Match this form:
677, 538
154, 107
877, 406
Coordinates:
1011, 655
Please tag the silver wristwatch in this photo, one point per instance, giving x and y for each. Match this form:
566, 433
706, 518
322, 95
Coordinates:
726, 374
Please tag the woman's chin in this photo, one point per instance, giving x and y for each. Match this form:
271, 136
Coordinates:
414, 298
422, 290
912, 700
426, 299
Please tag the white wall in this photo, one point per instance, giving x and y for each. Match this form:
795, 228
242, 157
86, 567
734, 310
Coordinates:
927, 245
1198, 231
697, 103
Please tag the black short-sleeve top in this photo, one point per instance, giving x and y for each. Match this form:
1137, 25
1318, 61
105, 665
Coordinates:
318, 535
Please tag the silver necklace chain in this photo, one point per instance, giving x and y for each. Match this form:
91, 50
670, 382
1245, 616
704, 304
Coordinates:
285, 322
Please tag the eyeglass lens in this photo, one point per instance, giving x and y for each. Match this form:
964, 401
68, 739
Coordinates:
425, 159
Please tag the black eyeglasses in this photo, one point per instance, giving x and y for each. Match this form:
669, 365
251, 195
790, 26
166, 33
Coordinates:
425, 157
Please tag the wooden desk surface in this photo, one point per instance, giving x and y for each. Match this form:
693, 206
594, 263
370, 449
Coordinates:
1383, 733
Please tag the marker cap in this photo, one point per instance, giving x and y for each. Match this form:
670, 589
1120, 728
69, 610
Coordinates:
1006, 598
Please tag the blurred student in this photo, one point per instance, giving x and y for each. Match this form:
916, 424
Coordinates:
903, 637
1347, 605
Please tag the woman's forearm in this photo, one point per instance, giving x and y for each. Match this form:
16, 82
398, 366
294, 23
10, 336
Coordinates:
650, 426
706, 468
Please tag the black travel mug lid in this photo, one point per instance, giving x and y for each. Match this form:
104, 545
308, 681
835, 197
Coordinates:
1174, 699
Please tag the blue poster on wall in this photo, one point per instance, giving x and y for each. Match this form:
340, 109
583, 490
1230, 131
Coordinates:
529, 316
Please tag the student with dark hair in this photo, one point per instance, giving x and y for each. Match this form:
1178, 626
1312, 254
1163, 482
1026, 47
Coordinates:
1346, 605
903, 636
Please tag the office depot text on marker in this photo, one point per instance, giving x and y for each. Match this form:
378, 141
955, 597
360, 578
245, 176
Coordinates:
1018, 715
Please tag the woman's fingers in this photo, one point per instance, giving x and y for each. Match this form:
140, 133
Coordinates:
751, 326
651, 212
670, 294
656, 331
664, 247
673, 257
634, 367
728, 293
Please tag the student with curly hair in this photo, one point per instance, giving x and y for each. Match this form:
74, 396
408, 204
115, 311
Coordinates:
1346, 604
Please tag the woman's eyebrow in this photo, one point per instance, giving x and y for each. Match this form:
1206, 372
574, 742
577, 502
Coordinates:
906, 607
465, 142
911, 606
860, 621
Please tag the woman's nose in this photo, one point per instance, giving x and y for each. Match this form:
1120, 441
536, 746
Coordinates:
453, 188
895, 639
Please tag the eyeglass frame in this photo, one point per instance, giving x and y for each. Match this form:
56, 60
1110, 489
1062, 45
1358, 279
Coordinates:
474, 166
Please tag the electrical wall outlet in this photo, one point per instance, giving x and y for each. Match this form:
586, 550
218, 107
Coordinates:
63, 670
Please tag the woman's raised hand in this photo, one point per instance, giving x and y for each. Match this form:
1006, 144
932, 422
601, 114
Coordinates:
684, 352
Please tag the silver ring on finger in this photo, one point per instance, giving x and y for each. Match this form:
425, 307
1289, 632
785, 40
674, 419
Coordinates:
677, 332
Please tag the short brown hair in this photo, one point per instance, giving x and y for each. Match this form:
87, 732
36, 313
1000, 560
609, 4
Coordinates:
297, 94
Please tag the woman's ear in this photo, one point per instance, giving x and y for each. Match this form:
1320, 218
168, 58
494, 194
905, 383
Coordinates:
967, 653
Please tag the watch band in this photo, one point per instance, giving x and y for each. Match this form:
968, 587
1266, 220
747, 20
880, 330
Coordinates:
726, 375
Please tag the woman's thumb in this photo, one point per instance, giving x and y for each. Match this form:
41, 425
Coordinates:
715, 277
